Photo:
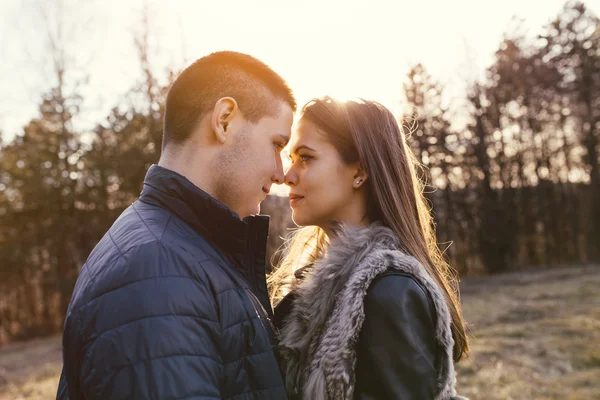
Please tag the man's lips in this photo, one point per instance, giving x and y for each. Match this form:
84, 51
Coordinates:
266, 190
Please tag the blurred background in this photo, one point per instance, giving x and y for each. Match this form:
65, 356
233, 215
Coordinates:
500, 102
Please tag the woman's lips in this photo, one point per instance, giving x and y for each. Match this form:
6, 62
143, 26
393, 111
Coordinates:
294, 199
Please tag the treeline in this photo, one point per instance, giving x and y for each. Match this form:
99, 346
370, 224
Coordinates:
520, 184
517, 185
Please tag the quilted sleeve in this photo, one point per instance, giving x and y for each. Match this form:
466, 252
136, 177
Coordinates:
152, 333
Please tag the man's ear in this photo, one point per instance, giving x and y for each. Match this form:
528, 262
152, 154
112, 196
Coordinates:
225, 109
360, 178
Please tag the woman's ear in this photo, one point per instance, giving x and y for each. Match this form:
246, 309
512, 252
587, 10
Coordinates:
360, 178
224, 111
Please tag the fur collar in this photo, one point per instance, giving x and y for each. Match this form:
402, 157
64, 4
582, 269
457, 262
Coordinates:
320, 333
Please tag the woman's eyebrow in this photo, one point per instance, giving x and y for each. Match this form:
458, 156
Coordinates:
297, 149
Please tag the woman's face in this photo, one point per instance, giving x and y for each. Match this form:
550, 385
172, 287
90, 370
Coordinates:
322, 185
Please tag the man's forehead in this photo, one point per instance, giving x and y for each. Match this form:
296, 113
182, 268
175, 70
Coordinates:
276, 128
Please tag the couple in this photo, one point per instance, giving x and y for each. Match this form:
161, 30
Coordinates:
173, 302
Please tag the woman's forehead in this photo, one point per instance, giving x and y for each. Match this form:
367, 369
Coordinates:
307, 131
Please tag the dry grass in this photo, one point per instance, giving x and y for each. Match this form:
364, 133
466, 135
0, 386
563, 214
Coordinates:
30, 370
536, 336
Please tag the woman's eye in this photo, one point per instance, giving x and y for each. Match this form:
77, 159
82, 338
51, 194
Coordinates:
302, 158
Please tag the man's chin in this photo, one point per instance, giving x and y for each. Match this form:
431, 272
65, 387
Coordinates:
252, 211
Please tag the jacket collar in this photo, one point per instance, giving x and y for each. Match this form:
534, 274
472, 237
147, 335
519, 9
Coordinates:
243, 240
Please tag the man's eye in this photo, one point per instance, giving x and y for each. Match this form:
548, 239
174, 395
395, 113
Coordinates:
279, 146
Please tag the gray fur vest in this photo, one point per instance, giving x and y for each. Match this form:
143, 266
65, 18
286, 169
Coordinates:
319, 336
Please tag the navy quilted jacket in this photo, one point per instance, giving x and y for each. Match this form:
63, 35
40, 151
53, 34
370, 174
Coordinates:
172, 304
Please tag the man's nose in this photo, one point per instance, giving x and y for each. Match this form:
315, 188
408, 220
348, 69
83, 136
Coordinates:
279, 176
278, 179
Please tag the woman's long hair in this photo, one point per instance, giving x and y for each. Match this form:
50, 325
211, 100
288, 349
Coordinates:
367, 132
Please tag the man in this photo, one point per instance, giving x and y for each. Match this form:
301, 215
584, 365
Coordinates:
172, 303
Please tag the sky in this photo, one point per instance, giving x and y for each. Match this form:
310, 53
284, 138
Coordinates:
343, 48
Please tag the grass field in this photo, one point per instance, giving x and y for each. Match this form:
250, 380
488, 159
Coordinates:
536, 335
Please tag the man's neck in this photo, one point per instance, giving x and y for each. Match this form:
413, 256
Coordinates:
197, 174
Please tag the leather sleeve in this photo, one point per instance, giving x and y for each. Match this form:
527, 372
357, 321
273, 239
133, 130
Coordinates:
283, 309
396, 351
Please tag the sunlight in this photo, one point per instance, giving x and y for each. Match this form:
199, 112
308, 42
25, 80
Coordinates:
338, 48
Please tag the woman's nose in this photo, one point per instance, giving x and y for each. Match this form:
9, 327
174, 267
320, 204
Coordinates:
291, 178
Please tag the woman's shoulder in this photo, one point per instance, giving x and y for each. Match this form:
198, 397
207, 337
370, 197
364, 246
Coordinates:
396, 290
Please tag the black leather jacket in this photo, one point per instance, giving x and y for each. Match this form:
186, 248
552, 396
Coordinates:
397, 354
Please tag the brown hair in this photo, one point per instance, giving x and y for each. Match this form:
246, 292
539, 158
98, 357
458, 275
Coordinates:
253, 85
367, 132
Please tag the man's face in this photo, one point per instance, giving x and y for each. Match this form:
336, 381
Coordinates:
252, 163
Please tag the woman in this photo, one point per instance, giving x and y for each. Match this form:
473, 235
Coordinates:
373, 311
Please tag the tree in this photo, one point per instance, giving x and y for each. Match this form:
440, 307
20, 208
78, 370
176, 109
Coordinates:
438, 149
572, 44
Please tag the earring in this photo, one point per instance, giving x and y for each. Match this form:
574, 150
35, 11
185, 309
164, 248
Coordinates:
358, 181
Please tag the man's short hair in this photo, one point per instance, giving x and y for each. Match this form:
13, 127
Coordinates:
255, 87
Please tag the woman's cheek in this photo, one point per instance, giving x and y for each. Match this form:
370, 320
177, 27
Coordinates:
311, 175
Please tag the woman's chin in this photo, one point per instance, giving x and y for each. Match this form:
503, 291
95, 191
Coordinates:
300, 219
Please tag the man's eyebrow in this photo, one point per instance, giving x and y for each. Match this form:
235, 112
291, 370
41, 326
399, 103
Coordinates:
297, 149
286, 139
